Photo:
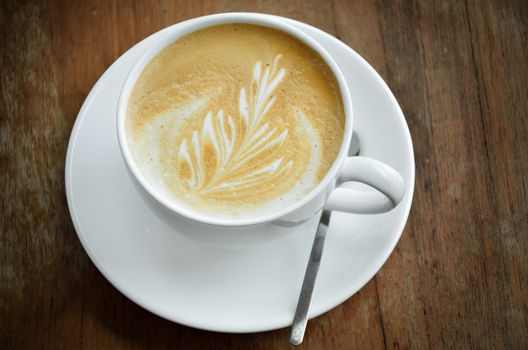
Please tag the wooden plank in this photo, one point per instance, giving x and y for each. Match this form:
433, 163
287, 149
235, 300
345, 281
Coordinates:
41, 259
458, 257
499, 32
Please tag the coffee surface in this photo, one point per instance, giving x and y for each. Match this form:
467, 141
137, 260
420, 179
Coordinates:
235, 120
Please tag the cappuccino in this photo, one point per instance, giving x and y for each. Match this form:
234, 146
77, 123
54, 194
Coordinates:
235, 120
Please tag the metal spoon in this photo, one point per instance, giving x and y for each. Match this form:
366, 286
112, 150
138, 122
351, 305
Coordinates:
301, 314
303, 305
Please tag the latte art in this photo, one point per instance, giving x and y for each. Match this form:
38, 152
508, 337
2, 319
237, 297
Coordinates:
235, 120
226, 157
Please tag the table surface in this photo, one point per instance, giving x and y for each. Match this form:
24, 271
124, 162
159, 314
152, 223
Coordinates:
458, 277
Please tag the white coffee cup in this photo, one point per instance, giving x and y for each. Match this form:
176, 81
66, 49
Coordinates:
344, 169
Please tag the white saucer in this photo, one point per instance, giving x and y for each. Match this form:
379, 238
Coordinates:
244, 290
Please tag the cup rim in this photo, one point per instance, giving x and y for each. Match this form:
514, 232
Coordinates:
175, 32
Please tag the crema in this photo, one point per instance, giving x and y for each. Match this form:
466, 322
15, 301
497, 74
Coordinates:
235, 120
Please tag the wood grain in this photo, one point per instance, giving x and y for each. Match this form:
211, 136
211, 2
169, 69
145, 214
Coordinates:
457, 278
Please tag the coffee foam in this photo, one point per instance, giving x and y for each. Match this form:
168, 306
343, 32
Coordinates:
235, 120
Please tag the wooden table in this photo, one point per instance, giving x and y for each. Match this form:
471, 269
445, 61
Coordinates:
458, 277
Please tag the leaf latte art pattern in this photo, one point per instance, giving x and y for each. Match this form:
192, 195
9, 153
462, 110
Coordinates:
233, 155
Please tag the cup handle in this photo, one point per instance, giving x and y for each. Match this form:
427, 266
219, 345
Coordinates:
374, 173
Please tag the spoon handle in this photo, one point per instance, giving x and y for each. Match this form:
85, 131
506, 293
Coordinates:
301, 313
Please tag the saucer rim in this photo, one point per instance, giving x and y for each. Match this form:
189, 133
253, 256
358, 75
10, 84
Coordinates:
324, 306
